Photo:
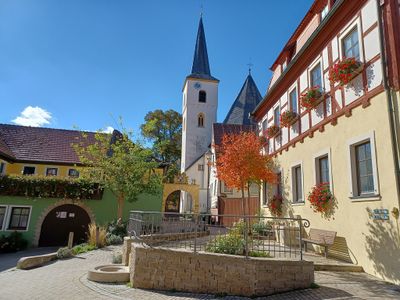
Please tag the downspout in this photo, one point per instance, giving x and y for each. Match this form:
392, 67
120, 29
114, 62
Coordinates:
392, 107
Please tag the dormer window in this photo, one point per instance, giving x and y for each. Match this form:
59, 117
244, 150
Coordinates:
200, 120
202, 96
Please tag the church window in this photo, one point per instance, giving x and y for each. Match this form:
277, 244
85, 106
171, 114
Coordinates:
202, 96
200, 120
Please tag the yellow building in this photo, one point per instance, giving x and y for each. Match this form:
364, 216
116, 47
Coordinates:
349, 139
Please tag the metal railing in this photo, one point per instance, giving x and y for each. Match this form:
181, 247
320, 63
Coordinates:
256, 236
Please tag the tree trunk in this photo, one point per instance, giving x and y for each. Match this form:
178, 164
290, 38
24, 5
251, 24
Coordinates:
248, 199
243, 201
120, 202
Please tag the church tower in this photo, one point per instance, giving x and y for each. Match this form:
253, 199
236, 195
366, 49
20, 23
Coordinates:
200, 102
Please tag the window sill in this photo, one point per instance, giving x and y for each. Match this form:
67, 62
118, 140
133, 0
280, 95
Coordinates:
298, 203
374, 197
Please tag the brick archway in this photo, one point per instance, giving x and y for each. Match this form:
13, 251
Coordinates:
45, 212
192, 189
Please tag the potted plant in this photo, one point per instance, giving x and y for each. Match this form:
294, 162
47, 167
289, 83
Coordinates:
321, 198
288, 118
275, 205
311, 98
345, 70
273, 131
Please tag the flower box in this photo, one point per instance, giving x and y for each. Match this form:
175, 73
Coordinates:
321, 198
275, 205
345, 71
273, 131
288, 118
311, 98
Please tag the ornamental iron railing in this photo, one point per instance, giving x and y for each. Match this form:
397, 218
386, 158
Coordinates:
256, 236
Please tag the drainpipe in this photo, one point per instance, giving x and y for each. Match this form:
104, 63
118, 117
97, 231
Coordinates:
392, 107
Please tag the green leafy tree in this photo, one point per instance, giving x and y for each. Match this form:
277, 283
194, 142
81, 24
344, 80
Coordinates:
126, 168
164, 130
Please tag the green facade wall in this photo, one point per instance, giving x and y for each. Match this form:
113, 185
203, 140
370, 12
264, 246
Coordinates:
104, 210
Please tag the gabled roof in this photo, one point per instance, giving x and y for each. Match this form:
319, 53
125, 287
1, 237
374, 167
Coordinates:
247, 100
45, 145
219, 130
201, 66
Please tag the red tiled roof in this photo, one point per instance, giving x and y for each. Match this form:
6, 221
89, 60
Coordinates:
37, 144
221, 129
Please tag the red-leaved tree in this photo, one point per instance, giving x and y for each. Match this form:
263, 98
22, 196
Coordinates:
241, 163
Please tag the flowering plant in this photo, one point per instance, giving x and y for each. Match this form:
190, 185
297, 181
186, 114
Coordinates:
344, 71
263, 140
321, 197
275, 205
288, 118
311, 98
272, 131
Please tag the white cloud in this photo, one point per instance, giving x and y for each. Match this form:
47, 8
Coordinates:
108, 129
33, 116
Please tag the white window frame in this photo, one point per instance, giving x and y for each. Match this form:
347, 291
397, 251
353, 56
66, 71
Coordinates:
344, 33
29, 166
224, 189
293, 182
312, 67
316, 157
50, 167
3, 226
352, 172
289, 101
10, 208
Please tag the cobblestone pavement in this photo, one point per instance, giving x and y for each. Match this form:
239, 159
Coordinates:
66, 279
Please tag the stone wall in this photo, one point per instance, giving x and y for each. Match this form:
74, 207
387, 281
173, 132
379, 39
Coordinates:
180, 270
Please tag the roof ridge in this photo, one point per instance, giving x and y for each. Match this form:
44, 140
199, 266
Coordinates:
48, 128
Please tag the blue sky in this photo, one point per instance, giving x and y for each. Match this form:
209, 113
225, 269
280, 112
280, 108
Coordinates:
85, 63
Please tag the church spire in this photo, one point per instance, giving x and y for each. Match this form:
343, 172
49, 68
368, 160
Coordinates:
201, 66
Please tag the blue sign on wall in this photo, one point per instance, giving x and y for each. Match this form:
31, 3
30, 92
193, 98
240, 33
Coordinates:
380, 214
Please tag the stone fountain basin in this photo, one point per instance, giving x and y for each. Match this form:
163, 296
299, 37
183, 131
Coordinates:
109, 273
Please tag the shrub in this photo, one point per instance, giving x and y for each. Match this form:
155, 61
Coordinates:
311, 98
101, 240
49, 187
112, 239
117, 227
344, 71
64, 252
232, 243
117, 257
82, 248
261, 227
13, 242
259, 254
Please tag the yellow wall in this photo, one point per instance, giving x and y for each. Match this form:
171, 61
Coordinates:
17, 168
373, 244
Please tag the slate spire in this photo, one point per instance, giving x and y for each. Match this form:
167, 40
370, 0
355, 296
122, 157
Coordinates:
201, 66
247, 100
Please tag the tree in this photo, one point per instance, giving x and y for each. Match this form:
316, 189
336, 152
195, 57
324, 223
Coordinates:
164, 130
241, 163
126, 168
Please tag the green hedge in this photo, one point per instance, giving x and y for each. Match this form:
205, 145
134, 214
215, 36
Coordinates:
49, 187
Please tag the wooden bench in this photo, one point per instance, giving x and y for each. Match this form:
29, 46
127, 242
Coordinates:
320, 237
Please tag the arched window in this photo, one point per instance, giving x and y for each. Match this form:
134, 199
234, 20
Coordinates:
200, 120
202, 96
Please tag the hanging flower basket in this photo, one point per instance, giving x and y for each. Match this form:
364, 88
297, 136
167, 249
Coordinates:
321, 198
345, 70
288, 118
263, 140
273, 131
275, 205
311, 98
